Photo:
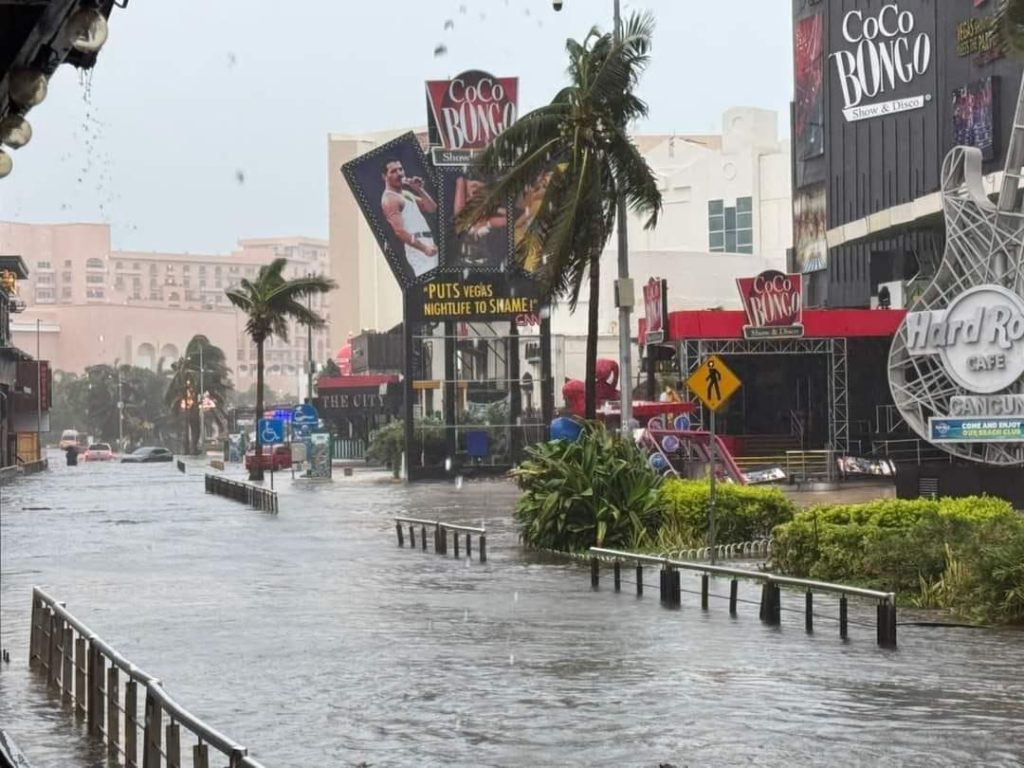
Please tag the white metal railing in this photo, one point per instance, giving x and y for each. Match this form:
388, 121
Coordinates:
89, 673
441, 536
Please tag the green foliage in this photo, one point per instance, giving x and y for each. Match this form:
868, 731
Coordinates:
742, 513
203, 366
966, 554
388, 443
597, 490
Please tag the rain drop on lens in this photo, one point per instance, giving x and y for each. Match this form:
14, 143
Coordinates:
458, 482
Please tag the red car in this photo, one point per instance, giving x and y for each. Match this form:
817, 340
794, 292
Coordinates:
98, 452
275, 457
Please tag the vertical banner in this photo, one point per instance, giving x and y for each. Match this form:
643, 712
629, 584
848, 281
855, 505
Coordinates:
655, 310
810, 249
974, 116
808, 45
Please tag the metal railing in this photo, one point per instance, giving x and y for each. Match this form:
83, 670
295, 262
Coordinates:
771, 604
262, 499
350, 448
909, 450
747, 549
440, 534
811, 465
89, 674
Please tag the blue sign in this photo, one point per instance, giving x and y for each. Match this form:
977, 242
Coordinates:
305, 414
271, 431
983, 430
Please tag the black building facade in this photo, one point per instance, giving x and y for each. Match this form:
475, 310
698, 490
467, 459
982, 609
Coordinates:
884, 89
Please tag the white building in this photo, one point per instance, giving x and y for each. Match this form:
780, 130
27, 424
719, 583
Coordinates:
727, 214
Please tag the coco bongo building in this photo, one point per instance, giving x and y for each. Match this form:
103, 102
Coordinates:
898, 330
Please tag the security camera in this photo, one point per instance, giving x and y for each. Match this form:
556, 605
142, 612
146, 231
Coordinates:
556, 4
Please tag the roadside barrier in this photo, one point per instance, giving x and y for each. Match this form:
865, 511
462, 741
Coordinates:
101, 686
440, 535
262, 499
757, 548
771, 584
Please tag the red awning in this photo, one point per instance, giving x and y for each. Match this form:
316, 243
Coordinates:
818, 323
355, 382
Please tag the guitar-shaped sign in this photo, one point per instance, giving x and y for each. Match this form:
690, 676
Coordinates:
957, 361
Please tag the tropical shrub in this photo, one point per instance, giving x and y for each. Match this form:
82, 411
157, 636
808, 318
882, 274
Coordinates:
742, 513
595, 491
388, 443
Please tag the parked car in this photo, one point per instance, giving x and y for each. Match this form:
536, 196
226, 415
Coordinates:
98, 452
147, 454
275, 457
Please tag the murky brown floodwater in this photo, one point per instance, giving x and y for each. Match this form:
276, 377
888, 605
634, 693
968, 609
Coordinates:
311, 638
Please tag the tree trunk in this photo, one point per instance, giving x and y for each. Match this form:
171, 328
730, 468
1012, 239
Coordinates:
257, 470
592, 311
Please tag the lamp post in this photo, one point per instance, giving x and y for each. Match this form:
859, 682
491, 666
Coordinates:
202, 399
39, 397
309, 349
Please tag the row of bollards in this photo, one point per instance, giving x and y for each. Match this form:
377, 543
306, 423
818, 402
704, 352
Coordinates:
440, 533
771, 596
262, 499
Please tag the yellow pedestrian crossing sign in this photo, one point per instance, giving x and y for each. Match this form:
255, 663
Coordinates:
713, 383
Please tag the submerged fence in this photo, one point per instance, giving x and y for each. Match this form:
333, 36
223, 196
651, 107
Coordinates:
262, 499
104, 688
440, 535
771, 593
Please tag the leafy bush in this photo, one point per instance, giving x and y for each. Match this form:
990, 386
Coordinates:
963, 554
388, 443
597, 490
742, 513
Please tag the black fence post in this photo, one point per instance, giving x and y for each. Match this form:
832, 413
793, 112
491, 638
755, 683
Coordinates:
664, 584
595, 573
776, 616
891, 605
809, 612
412, 537
763, 612
618, 576
639, 580
733, 595
423, 537
398, 530
455, 542
677, 599
704, 591
469, 546
843, 619
483, 548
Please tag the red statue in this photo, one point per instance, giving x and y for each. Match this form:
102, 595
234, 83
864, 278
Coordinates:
574, 390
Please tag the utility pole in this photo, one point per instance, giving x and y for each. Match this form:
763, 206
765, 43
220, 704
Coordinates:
39, 397
309, 349
120, 413
624, 295
202, 400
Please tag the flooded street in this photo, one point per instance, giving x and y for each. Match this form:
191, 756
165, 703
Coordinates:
314, 640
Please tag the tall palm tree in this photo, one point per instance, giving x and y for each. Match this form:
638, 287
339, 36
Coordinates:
203, 366
575, 152
270, 301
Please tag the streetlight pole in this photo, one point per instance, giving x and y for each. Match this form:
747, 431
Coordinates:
39, 397
120, 413
202, 400
624, 295
309, 349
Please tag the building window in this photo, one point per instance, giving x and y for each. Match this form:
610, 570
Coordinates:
65, 293
186, 268
174, 298
94, 264
44, 280
135, 265
120, 265
94, 279
119, 283
94, 293
43, 265
44, 296
152, 269
65, 276
731, 228
67, 263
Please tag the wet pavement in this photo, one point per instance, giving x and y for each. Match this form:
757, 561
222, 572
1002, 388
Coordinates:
313, 639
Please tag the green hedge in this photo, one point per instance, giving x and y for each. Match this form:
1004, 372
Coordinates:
963, 554
742, 513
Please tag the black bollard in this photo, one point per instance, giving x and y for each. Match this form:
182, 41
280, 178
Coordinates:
763, 612
733, 595
398, 530
618, 576
677, 595
595, 573
639, 580
842, 618
423, 537
455, 542
469, 546
809, 612
704, 591
892, 624
483, 548
664, 585
882, 619
776, 605
412, 537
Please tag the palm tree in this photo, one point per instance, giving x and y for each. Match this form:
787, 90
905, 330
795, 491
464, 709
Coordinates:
270, 301
203, 366
575, 155
1009, 27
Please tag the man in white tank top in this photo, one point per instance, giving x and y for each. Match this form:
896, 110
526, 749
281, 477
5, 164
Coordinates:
404, 201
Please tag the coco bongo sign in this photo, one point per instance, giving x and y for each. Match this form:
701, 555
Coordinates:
774, 305
467, 112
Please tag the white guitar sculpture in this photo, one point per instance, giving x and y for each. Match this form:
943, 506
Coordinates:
957, 361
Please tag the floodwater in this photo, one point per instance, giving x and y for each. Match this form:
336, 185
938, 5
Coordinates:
314, 640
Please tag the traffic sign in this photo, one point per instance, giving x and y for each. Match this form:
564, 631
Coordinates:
713, 383
271, 431
305, 414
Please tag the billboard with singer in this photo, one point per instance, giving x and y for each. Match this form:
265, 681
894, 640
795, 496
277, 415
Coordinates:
396, 192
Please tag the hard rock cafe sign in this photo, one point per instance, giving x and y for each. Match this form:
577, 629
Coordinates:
774, 305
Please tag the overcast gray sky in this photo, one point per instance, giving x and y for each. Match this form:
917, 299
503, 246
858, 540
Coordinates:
206, 121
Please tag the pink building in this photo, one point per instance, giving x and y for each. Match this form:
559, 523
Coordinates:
95, 305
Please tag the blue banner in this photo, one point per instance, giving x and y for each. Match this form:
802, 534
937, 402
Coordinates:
986, 430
